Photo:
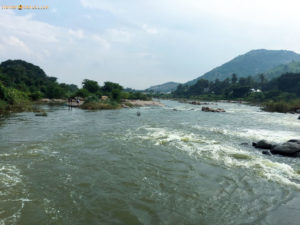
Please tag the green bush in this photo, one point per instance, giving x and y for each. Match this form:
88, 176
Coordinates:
36, 95
282, 106
99, 106
3, 92
82, 93
116, 95
14, 96
91, 98
3, 105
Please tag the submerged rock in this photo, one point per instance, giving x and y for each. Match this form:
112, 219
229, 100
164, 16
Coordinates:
41, 114
207, 109
266, 152
244, 144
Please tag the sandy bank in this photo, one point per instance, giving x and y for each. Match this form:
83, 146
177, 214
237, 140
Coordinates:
141, 103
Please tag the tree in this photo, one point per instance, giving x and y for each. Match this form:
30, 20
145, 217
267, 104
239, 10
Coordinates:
199, 87
90, 85
116, 95
240, 91
262, 78
110, 86
233, 78
81, 93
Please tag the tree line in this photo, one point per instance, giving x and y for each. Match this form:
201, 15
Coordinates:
285, 87
22, 82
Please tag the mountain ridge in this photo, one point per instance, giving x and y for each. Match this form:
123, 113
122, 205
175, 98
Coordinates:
251, 63
164, 88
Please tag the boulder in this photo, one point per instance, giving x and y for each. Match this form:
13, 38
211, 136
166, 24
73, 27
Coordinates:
195, 103
263, 144
287, 149
244, 144
207, 109
290, 148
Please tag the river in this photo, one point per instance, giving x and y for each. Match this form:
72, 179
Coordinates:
171, 165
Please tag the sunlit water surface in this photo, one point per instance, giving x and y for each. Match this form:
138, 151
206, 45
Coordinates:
172, 165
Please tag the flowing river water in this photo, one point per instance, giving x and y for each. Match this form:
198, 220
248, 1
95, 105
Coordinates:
171, 165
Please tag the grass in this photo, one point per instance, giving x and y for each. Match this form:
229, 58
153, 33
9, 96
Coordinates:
100, 105
6, 108
282, 106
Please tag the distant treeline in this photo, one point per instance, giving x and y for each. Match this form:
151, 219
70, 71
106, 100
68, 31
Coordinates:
286, 87
22, 82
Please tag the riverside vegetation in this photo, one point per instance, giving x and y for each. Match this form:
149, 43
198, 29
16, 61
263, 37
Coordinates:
280, 94
22, 84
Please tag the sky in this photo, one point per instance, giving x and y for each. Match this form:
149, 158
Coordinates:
140, 43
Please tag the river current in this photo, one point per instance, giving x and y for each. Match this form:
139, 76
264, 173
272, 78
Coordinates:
171, 165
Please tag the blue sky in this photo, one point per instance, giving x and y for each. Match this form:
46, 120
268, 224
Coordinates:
142, 43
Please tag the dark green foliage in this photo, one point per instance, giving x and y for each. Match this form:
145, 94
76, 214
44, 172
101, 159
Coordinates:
2, 92
289, 82
81, 93
233, 78
31, 79
35, 95
116, 95
90, 85
200, 87
91, 98
282, 106
138, 96
240, 91
285, 88
110, 86
55, 91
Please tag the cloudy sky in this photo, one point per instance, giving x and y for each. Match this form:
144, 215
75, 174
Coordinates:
139, 43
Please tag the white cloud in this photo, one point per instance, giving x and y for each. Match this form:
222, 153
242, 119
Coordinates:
101, 41
17, 44
120, 35
76, 33
141, 43
150, 30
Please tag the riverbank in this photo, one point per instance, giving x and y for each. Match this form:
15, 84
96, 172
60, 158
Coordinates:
93, 105
292, 106
283, 107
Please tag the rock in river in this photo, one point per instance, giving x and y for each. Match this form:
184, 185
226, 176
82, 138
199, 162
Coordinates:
263, 144
207, 109
290, 148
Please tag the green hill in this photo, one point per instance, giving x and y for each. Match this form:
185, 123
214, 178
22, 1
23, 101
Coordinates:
31, 79
164, 88
250, 64
293, 67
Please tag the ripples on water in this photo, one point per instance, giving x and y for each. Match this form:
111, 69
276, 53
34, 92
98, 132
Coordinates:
171, 165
